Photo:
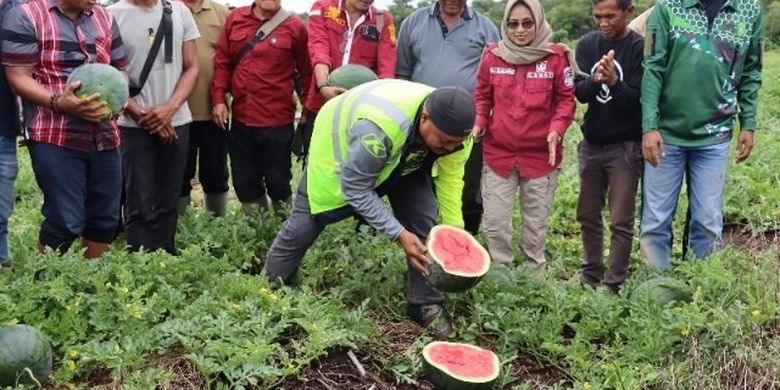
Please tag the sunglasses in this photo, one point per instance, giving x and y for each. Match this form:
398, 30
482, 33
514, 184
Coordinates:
514, 24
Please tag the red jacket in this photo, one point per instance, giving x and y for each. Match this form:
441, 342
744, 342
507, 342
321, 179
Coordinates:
370, 48
518, 106
262, 83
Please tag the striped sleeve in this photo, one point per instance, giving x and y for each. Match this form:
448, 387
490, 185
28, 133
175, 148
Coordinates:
19, 39
118, 53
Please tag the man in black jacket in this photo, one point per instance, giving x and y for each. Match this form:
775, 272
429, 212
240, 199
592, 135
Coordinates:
610, 156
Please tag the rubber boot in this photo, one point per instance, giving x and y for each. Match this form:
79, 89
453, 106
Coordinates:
184, 202
279, 207
260, 205
94, 249
216, 204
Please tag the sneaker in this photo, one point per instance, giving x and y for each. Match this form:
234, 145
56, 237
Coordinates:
433, 317
587, 281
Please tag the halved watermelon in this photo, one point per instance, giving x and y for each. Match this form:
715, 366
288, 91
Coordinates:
24, 353
456, 366
458, 260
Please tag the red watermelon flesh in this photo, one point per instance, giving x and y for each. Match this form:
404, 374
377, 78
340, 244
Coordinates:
456, 251
463, 361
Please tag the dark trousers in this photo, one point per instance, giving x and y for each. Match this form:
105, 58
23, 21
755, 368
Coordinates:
607, 173
208, 153
153, 172
413, 203
261, 160
81, 193
472, 196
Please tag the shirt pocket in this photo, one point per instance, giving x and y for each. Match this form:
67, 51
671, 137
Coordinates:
237, 41
503, 87
211, 33
537, 93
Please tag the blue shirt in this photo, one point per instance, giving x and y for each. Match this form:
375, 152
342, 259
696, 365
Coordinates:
9, 119
430, 54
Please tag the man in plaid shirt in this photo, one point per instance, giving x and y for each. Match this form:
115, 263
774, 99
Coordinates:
74, 155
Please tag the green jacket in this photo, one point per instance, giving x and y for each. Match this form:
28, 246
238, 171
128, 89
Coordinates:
698, 79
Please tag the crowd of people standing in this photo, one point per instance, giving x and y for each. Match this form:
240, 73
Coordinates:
466, 116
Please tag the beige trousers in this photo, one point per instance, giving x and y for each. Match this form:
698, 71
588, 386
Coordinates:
536, 197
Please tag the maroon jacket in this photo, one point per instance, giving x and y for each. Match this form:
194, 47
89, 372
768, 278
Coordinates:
262, 83
327, 43
518, 106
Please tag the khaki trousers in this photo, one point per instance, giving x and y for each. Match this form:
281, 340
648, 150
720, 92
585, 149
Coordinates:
536, 197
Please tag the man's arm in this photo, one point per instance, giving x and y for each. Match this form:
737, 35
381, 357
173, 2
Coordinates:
449, 185
368, 152
750, 80
387, 56
303, 64
655, 64
586, 87
405, 54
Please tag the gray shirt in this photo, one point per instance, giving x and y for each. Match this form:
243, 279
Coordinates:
429, 54
138, 27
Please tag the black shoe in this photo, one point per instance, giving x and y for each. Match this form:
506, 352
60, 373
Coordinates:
433, 317
7, 264
587, 281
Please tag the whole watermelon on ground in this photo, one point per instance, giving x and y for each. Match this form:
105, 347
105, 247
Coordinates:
351, 75
661, 291
105, 80
458, 366
24, 351
458, 261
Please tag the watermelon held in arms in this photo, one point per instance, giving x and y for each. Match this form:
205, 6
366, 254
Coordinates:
105, 80
456, 366
661, 291
25, 356
351, 75
458, 261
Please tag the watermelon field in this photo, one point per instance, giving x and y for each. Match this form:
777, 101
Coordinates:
202, 320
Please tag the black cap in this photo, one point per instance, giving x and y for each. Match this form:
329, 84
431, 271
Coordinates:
452, 110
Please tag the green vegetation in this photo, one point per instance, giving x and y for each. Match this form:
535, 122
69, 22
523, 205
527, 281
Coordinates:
200, 320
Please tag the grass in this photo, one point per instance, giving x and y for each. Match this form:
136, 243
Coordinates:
200, 320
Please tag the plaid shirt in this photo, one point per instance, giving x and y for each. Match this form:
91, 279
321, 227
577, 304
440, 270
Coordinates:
38, 34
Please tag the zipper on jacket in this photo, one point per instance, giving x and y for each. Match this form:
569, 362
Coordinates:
734, 60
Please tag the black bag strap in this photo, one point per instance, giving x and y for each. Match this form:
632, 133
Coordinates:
261, 34
164, 33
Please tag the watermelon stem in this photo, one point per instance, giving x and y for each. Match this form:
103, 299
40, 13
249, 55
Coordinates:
32, 376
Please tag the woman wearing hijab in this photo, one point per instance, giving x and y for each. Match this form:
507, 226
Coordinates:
525, 103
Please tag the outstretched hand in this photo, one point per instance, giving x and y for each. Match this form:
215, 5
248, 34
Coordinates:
414, 251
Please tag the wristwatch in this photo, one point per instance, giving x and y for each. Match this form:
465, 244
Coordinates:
322, 84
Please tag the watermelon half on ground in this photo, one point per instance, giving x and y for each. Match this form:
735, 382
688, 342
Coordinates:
457, 366
24, 353
458, 261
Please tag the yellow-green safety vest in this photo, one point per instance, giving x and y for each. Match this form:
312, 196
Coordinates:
392, 105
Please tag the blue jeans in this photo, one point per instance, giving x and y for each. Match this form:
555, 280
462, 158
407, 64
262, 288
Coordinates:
81, 192
8, 170
706, 171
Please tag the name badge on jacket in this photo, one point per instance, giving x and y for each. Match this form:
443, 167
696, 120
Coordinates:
370, 33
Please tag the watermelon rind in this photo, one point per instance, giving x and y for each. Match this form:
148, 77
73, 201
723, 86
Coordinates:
442, 378
24, 350
661, 291
450, 280
351, 75
103, 79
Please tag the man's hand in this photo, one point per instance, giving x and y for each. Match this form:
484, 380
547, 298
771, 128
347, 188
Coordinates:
605, 73
134, 110
89, 108
220, 115
330, 92
477, 133
415, 251
744, 145
653, 147
553, 139
166, 133
158, 116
